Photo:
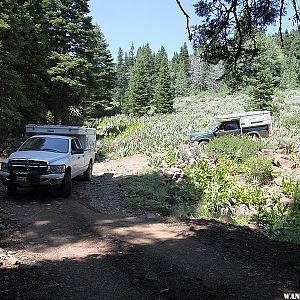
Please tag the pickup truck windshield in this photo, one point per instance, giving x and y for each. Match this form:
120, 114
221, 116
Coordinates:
50, 144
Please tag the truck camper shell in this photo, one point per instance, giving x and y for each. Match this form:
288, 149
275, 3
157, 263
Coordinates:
248, 119
86, 136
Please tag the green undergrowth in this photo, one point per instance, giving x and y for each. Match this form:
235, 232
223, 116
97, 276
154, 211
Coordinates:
236, 187
146, 192
234, 147
228, 177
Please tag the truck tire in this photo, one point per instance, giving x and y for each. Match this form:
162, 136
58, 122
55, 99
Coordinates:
87, 175
203, 143
66, 186
11, 190
254, 136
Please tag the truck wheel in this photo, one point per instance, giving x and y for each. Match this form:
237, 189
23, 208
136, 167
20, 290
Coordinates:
87, 175
11, 190
66, 186
203, 143
254, 137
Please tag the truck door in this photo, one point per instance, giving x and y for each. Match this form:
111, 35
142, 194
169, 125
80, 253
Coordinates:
82, 162
229, 127
77, 159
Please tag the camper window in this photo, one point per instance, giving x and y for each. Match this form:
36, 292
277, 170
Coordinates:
231, 125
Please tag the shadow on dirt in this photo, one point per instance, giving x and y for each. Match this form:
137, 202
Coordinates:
95, 256
209, 261
227, 264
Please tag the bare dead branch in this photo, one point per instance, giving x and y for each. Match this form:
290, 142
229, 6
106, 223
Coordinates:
280, 22
296, 16
187, 20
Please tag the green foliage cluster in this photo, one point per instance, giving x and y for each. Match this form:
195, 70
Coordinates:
235, 147
291, 121
258, 169
291, 188
214, 190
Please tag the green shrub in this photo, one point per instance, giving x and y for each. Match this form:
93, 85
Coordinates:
258, 169
292, 120
281, 222
235, 147
291, 188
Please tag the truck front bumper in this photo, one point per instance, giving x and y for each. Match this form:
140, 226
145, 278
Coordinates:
30, 179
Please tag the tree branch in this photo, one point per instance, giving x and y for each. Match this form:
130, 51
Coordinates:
187, 20
280, 22
296, 16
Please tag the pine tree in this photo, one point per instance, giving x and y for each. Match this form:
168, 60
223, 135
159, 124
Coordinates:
139, 94
149, 61
22, 65
163, 97
101, 80
34, 55
295, 51
161, 55
266, 71
131, 56
121, 79
71, 40
12, 90
184, 58
179, 72
181, 82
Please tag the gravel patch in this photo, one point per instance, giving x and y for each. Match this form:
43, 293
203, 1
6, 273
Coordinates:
105, 191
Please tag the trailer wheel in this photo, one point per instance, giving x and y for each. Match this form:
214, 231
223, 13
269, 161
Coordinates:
87, 175
11, 190
66, 186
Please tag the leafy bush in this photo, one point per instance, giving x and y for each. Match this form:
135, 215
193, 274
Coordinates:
290, 228
292, 120
258, 169
291, 188
214, 188
235, 147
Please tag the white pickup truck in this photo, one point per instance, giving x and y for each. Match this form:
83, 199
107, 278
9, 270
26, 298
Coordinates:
52, 156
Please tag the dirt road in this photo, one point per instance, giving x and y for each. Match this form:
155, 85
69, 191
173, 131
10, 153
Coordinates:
70, 249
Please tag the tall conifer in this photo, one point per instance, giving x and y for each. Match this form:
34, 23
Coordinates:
163, 98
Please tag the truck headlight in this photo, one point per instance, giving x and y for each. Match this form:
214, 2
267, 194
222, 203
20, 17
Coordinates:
4, 167
57, 169
193, 139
